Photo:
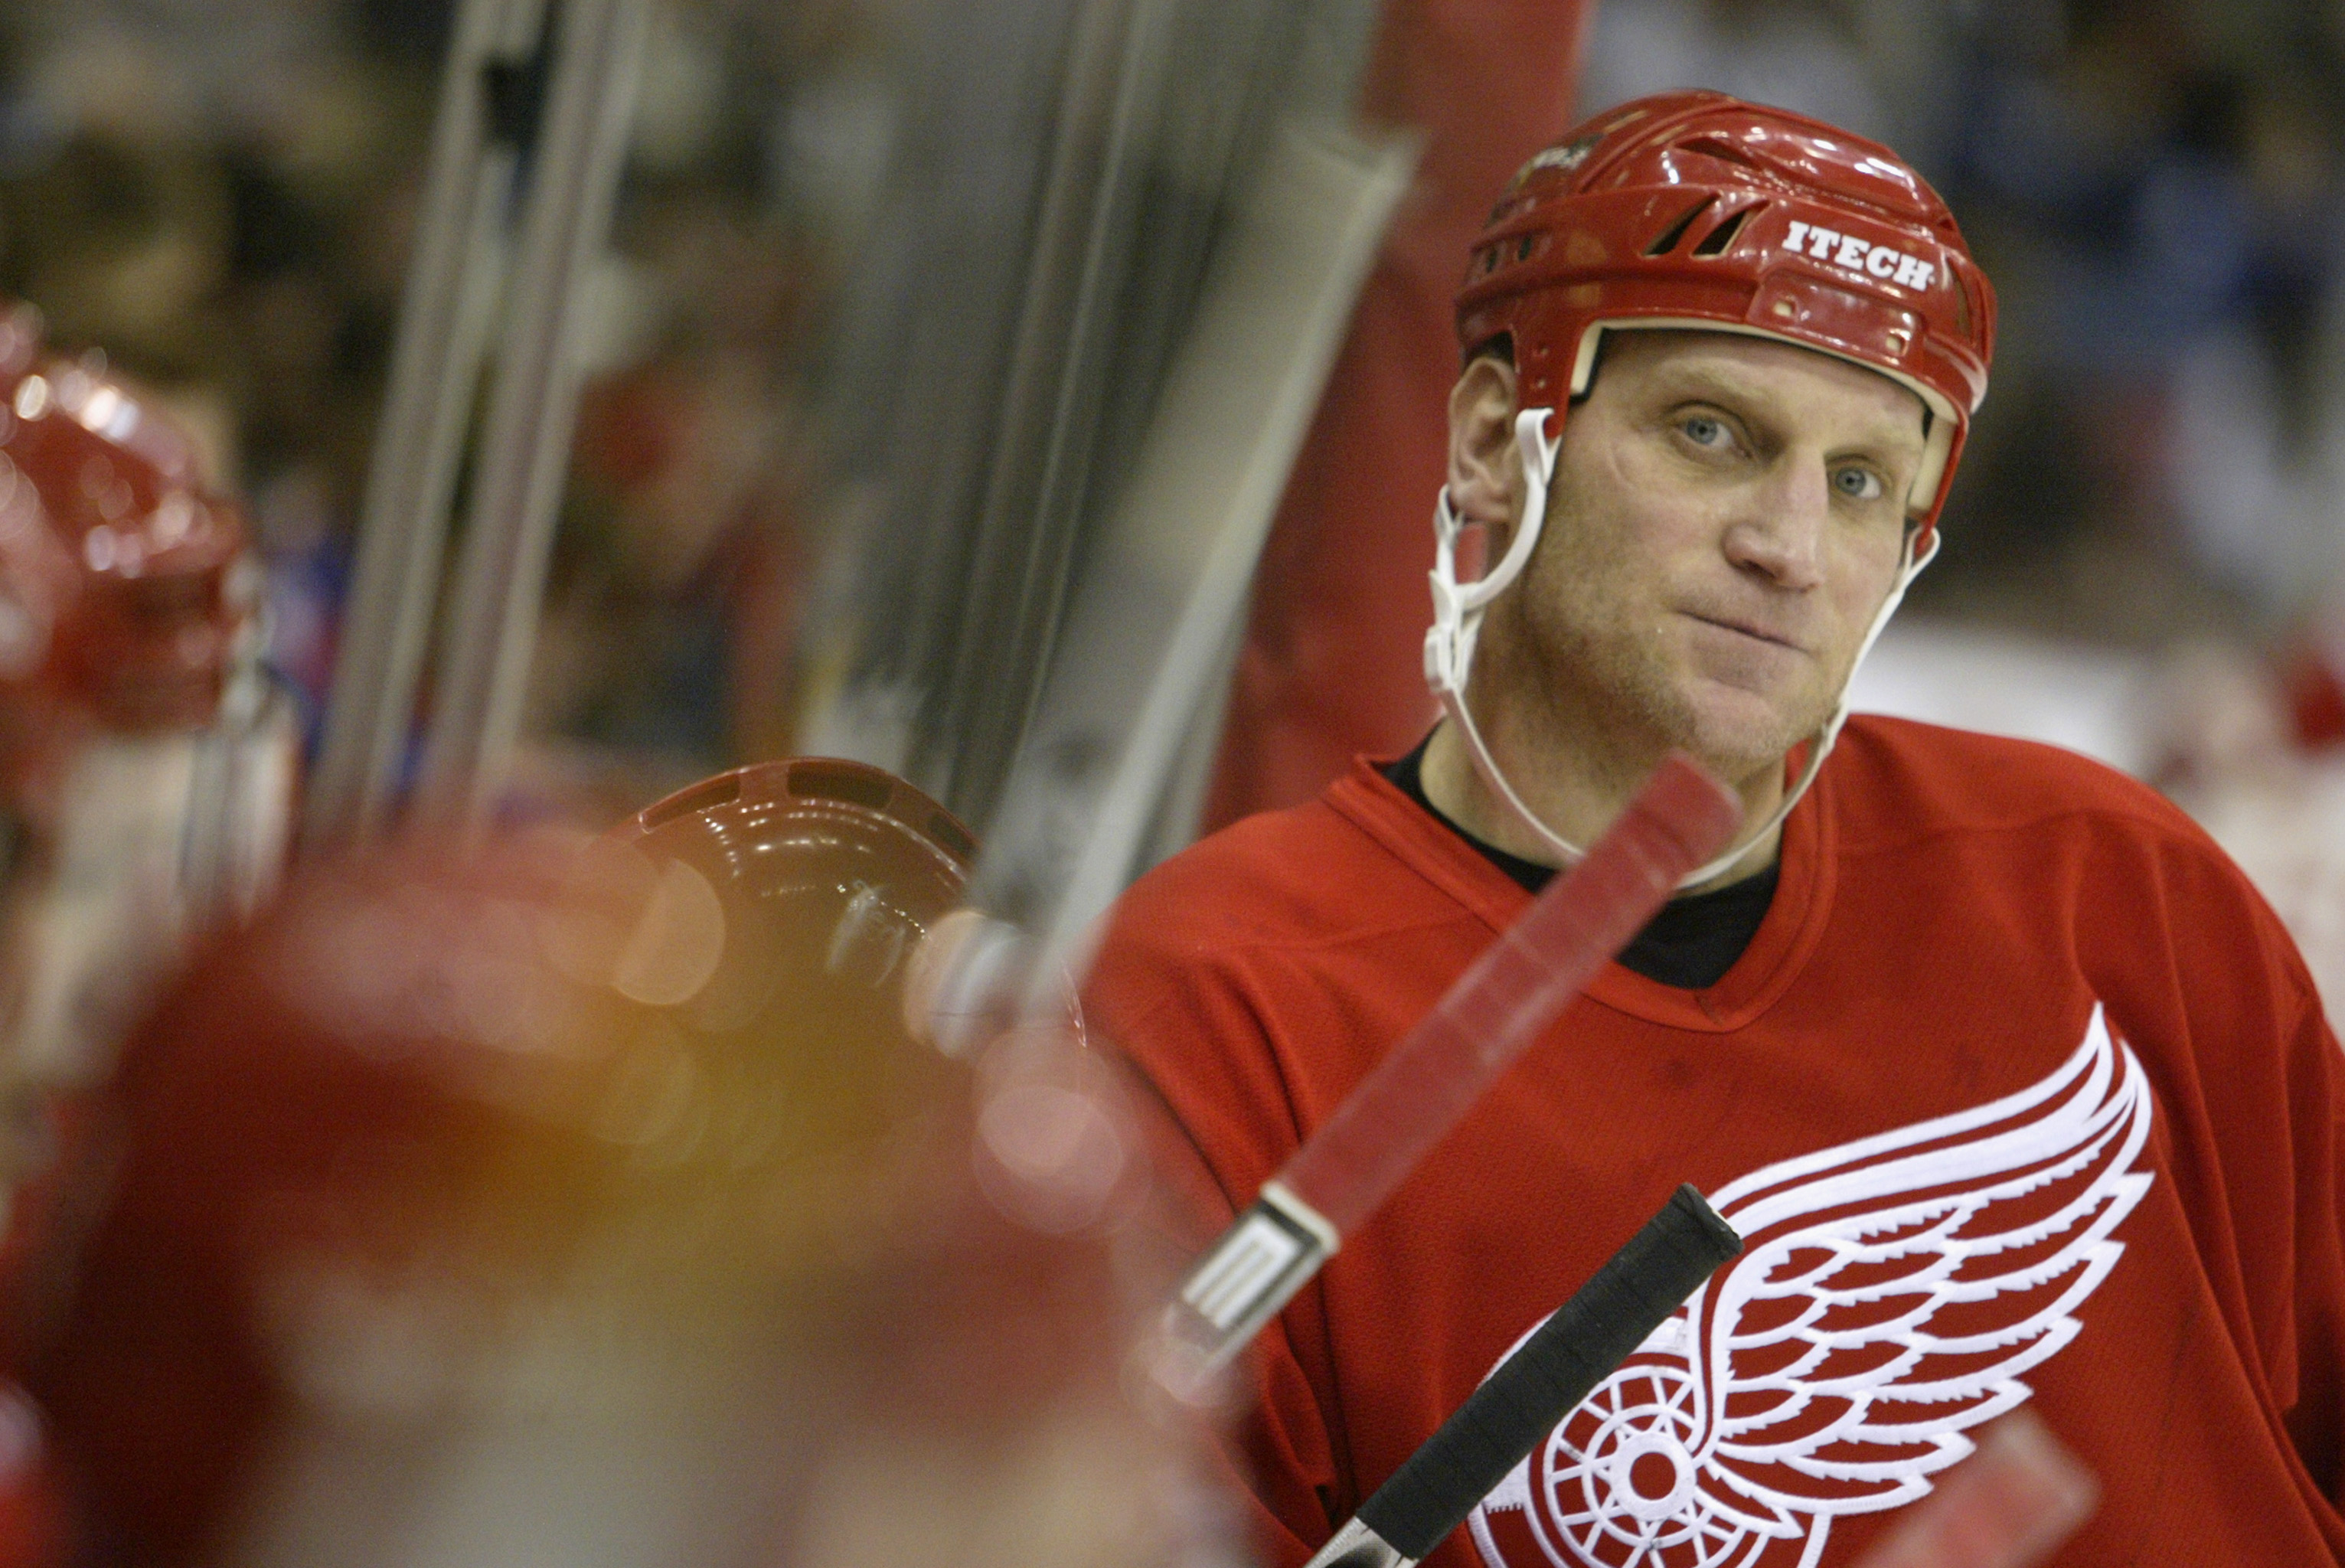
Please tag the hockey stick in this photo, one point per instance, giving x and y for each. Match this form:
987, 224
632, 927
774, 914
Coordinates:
1542, 1382
1502, 1002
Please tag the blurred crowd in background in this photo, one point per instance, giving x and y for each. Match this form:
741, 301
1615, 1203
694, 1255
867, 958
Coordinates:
222, 197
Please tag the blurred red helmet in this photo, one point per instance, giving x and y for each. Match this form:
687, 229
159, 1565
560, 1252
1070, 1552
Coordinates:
777, 854
1696, 210
147, 640
39, 580
589, 1188
40, 584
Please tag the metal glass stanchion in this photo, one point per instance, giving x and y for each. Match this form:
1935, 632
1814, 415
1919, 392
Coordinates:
538, 104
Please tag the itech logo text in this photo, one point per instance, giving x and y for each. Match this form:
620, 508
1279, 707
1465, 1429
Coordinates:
1857, 256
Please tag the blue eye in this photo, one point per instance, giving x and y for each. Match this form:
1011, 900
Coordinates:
1857, 483
1704, 430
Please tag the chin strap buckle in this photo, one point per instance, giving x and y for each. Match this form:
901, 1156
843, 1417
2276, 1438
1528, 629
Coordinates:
1449, 640
1457, 607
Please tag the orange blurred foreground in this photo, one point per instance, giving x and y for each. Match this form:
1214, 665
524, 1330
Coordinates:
584, 1201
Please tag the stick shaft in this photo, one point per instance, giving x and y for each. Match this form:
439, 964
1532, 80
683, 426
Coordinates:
1502, 1002
1510, 997
1544, 1380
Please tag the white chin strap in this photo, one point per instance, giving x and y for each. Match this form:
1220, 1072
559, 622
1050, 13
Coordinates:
1457, 609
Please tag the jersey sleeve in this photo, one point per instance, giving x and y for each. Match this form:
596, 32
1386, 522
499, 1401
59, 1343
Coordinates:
2298, 1277
2269, 1102
2316, 1414
1216, 1122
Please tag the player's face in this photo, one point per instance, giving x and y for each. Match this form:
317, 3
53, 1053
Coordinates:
1727, 516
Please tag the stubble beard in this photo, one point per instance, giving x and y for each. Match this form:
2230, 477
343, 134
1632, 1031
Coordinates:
1585, 679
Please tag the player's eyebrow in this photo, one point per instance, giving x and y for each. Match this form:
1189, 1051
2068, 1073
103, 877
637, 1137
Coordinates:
1886, 438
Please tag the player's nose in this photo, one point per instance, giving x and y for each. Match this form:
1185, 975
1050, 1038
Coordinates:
1777, 529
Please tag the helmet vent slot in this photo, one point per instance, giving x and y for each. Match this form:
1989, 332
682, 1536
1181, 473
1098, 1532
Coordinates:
1723, 150
722, 791
1715, 242
855, 787
943, 830
1962, 304
1666, 240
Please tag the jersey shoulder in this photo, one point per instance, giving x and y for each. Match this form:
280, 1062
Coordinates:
1234, 975
1306, 876
1898, 778
2020, 822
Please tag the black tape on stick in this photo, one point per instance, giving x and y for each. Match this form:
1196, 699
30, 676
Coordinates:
1518, 1405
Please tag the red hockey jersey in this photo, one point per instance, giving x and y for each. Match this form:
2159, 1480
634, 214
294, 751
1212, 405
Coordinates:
2019, 1094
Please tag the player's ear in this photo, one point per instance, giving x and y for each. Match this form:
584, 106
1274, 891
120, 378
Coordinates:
1484, 468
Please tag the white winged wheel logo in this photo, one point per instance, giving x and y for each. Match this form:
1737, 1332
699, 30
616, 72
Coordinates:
1890, 1294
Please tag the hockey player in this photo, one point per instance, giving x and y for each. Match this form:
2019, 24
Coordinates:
2017, 1092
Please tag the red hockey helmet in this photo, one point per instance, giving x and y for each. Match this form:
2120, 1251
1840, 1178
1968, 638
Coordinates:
1697, 209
